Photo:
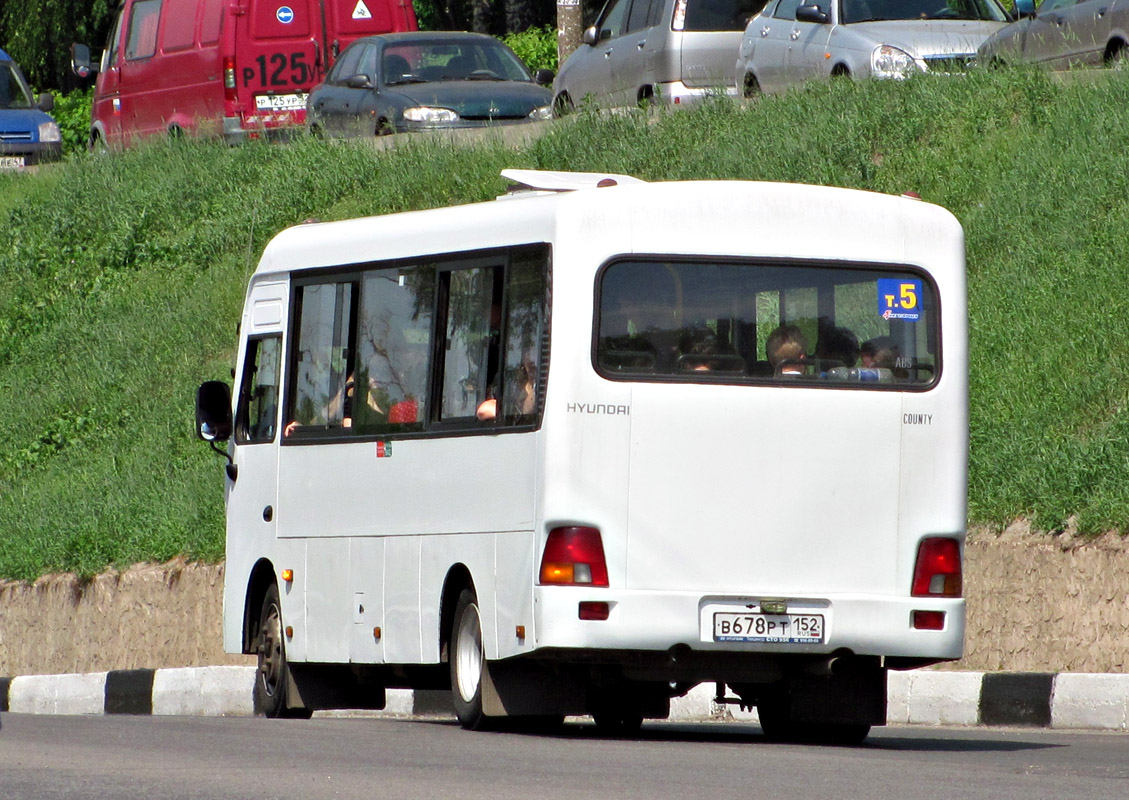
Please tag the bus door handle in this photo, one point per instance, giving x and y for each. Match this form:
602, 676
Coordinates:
268, 513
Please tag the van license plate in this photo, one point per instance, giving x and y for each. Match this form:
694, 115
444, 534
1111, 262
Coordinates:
731, 626
11, 162
280, 102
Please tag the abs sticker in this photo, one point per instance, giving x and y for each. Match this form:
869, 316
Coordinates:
899, 299
361, 11
285, 14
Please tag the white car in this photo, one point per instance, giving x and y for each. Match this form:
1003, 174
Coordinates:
792, 41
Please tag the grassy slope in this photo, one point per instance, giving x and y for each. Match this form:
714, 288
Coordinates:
121, 279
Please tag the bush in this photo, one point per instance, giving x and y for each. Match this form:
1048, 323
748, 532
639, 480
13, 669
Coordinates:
72, 112
537, 47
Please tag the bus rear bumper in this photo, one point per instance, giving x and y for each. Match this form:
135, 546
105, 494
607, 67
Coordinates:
676, 623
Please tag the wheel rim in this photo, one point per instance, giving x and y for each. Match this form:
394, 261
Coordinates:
468, 654
270, 651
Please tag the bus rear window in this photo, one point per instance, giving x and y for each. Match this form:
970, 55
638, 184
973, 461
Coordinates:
754, 322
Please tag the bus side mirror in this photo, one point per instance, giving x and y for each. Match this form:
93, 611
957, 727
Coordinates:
80, 61
544, 77
590, 36
213, 411
1024, 8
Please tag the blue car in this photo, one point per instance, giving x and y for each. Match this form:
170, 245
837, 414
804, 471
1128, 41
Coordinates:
28, 135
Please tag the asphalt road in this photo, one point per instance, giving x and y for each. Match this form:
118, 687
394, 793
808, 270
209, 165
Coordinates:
125, 757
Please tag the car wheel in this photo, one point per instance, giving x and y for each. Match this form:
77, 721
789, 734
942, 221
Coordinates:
750, 87
467, 662
563, 105
97, 143
272, 675
1116, 55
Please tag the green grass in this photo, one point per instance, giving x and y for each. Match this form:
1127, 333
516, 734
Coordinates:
121, 280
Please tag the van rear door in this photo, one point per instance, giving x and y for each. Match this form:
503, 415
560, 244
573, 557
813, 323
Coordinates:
276, 60
284, 47
347, 20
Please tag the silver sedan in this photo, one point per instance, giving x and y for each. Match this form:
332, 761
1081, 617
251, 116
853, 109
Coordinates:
1063, 33
792, 41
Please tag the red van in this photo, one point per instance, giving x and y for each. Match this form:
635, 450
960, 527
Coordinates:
236, 68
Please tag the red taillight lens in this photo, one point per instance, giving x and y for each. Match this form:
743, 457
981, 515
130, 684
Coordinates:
937, 572
929, 620
574, 556
229, 78
593, 611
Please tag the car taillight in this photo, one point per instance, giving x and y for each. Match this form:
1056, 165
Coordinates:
574, 556
678, 21
229, 78
938, 571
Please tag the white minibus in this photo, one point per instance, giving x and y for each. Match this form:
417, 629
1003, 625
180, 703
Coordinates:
584, 447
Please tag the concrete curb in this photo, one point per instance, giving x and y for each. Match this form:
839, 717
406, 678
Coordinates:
1047, 700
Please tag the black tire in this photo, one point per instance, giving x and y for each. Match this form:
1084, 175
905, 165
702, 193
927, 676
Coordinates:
750, 87
273, 674
467, 662
616, 716
96, 144
776, 721
563, 105
1116, 56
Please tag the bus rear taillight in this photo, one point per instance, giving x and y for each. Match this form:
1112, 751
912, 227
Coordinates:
937, 572
574, 556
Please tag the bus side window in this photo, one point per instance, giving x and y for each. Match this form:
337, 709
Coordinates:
524, 332
320, 396
393, 341
257, 412
470, 356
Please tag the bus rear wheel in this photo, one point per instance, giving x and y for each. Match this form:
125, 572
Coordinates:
272, 675
776, 721
616, 712
467, 662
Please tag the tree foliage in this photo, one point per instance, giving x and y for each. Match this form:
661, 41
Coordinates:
38, 34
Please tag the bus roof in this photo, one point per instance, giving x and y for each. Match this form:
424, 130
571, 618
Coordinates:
608, 214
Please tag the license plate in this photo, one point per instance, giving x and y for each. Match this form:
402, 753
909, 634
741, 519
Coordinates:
280, 102
730, 626
11, 162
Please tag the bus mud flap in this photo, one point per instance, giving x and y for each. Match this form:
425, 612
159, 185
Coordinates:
516, 688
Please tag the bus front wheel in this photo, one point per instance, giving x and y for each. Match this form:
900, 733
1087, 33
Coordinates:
272, 674
467, 662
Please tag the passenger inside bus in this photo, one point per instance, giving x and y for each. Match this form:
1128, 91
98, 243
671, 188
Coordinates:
879, 352
523, 388
786, 348
702, 351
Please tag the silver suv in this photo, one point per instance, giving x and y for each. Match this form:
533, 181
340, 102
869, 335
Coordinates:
673, 51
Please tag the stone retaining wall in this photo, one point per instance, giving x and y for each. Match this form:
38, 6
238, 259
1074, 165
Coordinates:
1035, 604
